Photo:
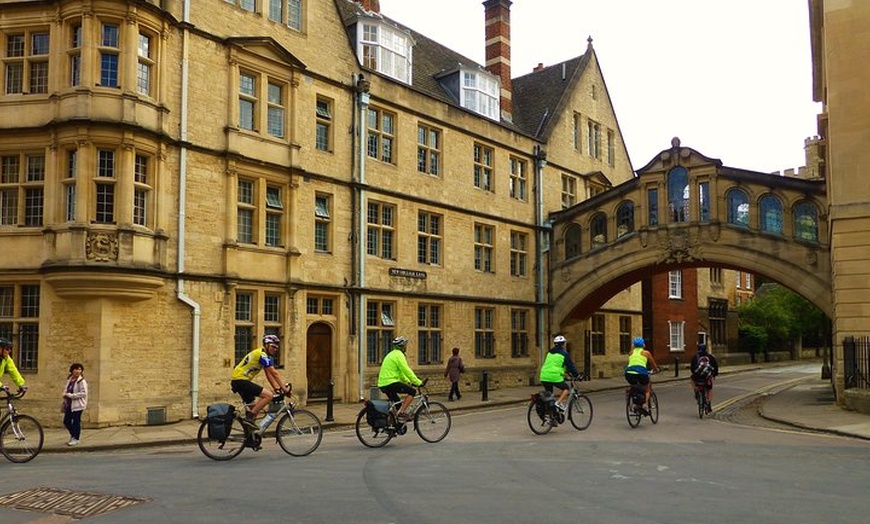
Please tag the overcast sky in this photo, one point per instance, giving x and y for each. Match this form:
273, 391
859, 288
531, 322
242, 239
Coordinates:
731, 78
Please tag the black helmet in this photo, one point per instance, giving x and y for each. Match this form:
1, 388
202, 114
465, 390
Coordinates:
4, 343
702, 347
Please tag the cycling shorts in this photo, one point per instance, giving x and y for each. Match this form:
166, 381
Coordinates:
249, 391
637, 378
706, 383
549, 385
392, 391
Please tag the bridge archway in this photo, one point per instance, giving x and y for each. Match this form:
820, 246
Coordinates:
684, 209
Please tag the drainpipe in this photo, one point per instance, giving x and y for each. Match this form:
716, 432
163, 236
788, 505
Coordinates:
362, 90
540, 157
182, 202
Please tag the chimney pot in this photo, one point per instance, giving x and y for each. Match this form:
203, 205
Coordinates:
538, 67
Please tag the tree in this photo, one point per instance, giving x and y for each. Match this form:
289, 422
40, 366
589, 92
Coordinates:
782, 316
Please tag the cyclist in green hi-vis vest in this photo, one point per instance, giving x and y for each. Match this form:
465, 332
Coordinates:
640, 361
557, 363
396, 376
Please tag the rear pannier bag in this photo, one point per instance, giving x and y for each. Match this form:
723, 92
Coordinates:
376, 413
220, 419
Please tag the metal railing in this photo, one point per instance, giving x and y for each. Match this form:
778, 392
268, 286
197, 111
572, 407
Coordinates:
856, 362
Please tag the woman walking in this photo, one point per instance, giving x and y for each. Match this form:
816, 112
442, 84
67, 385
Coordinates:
75, 400
455, 368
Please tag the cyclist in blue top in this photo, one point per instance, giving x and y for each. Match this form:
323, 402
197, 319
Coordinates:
640, 361
556, 364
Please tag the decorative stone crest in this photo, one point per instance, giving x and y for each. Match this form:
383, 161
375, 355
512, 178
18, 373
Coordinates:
679, 247
102, 247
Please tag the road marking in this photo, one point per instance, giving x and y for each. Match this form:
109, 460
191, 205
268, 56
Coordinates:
758, 392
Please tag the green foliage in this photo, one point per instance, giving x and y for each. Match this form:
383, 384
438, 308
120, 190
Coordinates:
753, 339
782, 316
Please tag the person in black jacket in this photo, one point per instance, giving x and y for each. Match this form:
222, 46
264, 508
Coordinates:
704, 367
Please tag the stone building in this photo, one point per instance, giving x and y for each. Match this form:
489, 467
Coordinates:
179, 178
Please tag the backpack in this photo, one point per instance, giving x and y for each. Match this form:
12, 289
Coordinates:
376, 413
220, 420
704, 369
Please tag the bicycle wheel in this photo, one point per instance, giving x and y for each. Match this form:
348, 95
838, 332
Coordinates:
580, 411
299, 433
221, 449
21, 438
369, 436
432, 421
538, 425
632, 414
653, 407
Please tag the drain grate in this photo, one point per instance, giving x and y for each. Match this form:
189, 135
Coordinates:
76, 504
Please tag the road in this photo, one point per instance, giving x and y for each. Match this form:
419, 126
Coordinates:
491, 468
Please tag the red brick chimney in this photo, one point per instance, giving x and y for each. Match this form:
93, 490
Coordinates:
497, 14
370, 5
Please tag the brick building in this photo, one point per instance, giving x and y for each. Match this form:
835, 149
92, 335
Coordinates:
180, 178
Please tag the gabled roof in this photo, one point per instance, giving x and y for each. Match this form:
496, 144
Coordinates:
540, 95
267, 47
536, 97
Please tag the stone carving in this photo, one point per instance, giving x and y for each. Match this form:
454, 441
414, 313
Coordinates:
102, 247
811, 258
679, 247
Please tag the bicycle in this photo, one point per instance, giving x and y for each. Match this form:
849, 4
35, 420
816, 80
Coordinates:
704, 407
378, 421
299, 431
21, 436
635, 409
543, 415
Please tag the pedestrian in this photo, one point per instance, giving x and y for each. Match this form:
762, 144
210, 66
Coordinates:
75, 400
455, 368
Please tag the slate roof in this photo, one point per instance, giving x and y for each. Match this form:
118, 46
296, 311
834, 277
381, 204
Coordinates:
536, 97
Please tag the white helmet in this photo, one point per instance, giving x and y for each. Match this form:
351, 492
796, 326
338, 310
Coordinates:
559, 339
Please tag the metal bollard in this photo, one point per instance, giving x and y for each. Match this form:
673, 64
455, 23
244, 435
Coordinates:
329, 401
676, 366
484, 386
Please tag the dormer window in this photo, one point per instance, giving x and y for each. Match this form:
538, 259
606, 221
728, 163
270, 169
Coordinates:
386, 50
480, 93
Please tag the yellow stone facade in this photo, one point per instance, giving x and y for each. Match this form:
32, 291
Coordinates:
155, 222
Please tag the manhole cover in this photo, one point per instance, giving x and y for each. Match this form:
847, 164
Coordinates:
76, 504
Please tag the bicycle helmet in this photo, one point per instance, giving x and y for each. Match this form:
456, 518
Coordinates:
399, 343
638, 342
4, 343
559, 339
269, 340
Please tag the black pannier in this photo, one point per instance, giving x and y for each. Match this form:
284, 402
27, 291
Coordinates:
220, 420
376, 413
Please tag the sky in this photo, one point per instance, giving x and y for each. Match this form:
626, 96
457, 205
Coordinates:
731, 78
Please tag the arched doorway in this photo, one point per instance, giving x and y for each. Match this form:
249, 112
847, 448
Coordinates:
319, 359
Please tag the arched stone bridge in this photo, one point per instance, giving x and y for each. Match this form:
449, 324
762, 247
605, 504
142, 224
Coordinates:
687, 210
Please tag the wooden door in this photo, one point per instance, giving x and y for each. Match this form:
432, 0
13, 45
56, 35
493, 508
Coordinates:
319, 359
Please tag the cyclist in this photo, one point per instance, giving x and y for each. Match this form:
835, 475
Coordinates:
261, 358
553, 370
704, 367
8, 366
640, 361
395, 376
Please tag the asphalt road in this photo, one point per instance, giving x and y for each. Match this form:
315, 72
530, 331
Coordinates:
491, 468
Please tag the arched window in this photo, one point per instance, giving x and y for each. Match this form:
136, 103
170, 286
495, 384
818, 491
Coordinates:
678, 194
738, 207
625, 218
806, 222
598, 230
771, 214
572, 241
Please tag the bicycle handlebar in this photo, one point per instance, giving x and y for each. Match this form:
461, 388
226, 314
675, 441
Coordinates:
12, 396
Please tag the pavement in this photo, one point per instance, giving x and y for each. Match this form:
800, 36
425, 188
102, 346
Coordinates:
805, 403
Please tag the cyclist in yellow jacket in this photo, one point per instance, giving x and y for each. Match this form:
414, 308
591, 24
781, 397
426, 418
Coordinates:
640, 361
249, 367
8, 366
396, 376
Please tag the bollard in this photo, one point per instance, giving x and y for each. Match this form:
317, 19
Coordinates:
484, 386
329, 399
676, 366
